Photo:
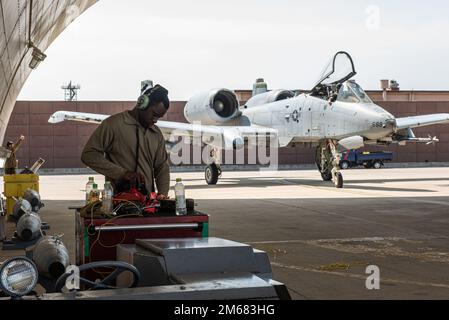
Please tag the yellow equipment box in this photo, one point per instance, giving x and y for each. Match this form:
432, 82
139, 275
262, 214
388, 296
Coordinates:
16, 185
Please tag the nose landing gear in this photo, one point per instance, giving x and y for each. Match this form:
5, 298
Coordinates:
338, 180
328, 162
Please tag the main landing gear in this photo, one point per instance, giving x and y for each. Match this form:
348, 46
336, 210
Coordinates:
328, 162
213, 170
212, 173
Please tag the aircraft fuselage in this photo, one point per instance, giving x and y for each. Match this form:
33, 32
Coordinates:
309, 119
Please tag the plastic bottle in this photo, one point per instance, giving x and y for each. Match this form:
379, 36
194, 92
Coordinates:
94, 194
180, 197
106, 203
89, 187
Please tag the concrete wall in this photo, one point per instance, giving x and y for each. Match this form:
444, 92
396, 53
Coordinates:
61, 144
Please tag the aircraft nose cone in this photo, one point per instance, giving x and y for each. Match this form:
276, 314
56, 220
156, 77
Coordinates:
390, 122
387, 120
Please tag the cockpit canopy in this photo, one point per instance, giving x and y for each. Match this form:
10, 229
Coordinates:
339, 69
335, 82
351, 92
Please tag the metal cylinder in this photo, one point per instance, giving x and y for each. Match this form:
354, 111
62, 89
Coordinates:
51, 257
34, 198
21, 207
29, 226
384, 84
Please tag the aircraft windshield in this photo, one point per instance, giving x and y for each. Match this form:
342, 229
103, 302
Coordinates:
346, 95
359, 92
351, 92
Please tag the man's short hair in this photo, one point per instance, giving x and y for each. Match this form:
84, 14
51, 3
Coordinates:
158, 94
9, 143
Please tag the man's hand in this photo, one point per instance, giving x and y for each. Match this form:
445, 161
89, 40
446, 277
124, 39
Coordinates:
22, 137
161, 196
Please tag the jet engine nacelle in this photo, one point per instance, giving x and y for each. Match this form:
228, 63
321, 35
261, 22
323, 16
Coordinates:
269, 97
351, 143
213, 107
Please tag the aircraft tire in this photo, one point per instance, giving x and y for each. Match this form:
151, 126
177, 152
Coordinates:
339, 180
211, 174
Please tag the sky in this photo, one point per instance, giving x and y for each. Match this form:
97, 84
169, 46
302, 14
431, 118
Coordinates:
190, 46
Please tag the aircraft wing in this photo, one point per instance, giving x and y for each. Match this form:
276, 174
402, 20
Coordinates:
420, 121
224, 137
229, 137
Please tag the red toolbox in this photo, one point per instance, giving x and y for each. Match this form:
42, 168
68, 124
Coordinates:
97, 239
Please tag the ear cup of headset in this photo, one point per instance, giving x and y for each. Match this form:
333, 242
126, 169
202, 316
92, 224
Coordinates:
143, 102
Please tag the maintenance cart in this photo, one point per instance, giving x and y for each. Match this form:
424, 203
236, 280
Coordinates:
156, 255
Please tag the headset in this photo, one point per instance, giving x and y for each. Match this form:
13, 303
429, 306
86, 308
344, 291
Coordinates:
144, 100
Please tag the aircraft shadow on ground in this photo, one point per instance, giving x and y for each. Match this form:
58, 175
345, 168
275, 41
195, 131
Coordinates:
263, 182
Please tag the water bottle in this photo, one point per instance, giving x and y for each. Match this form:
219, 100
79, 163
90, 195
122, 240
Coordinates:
180, 196
106, 203
94, 193
89, 187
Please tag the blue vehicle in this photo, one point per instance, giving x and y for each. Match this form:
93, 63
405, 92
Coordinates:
354, 158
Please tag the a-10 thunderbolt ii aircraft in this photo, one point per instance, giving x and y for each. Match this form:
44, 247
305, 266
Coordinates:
335, 115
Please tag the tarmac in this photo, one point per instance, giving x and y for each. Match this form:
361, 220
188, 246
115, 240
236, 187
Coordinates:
320, 239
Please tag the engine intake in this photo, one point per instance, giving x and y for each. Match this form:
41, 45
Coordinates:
213, 107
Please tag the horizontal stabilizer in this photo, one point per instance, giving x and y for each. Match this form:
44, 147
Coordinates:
61, 116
